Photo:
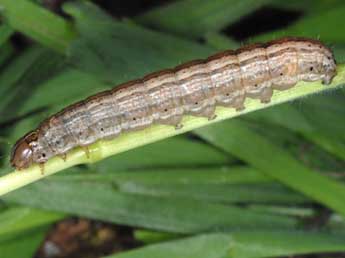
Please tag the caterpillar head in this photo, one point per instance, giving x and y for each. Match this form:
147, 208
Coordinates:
22, 151
329, 68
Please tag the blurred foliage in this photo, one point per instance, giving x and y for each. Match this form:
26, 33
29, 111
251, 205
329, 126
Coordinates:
241, 188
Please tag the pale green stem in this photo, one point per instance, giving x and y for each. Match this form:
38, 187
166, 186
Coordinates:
103, 149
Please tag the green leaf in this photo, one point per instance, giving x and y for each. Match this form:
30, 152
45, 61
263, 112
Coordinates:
22, 229
273, 244
221, 42
313, 26
329, 108
307, 120
308, 5
256, 193
5, 33
203, 246
18, 219
236, 138
149, 237
106, 45
51, 93
301, 212
242, 245
205, 175
22, 76
101, 201
183, 152
334, 145
6, 51
23, 244
336, 223
38, 23
195, 18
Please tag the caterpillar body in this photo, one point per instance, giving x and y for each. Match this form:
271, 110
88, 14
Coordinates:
194, 88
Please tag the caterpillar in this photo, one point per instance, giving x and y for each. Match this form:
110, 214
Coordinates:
164, 97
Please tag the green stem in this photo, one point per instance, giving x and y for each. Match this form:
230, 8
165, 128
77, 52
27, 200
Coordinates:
103, 149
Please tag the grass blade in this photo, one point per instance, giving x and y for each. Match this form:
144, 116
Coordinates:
236, 138
242, 245
209, 16
167, 214
26, 17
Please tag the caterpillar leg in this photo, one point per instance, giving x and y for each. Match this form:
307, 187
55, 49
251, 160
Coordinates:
178, 126
174, 121
86, 151
209, 112
327, 79
63, 156
238, 103
41, 165
266, 95
214, 116
285, 86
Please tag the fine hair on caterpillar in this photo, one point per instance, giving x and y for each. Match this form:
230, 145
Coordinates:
195, 88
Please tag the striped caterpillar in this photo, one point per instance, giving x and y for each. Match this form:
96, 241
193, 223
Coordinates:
194, 88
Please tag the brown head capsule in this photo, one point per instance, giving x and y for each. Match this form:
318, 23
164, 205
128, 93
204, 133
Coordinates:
22, 151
